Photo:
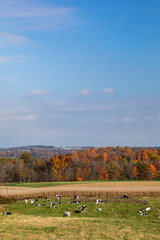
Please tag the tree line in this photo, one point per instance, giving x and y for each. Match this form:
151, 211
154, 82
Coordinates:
109, 163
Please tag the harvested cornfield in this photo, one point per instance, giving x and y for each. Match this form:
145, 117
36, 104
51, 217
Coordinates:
90, 190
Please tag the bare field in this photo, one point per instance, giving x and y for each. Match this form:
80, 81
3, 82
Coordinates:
96, 189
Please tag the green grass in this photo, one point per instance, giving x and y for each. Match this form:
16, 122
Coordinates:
119, 219
48, 184
123, 209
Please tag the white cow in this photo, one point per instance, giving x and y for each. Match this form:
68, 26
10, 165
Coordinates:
66, 214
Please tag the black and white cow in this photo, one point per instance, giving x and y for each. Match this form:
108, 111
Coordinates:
58, 197
76, 197
99, 201
7, 213
83, 208
52, 204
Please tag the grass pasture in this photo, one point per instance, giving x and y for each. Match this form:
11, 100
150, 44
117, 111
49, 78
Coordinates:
119, 219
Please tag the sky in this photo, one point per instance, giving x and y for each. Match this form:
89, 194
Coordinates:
79, 73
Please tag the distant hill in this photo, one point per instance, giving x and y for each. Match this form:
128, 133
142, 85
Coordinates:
38, 150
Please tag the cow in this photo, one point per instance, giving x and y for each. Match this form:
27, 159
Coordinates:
83, 208
77, 211
57, 202
52, 204
58, 197
99, 201
125, 196
148, 208
76, 197
7, 213
66, 214
99, 209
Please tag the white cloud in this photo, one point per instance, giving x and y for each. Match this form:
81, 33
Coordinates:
86, 92
42, 15
8, 114
7, 39
13, 59
127, 119
108, 91
39, 92
27, 9
29, 117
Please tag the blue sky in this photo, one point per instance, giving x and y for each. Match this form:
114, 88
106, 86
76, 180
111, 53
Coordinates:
79, 72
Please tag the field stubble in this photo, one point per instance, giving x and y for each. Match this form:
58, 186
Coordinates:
89, 190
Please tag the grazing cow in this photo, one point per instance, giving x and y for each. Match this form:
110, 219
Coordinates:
144, 214
36, 200
99, 209
99, 201
43, 204
32, 201
66, 214
47, 199
125, 196
38, 205
52, 204
83, 208
76, 202
77, 211
76, 197
148, 208
57, 202
7, 213
26, 201
58, 197
141, 211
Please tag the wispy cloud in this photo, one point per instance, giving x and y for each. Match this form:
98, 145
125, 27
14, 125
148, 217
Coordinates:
10, 114
41, 15
13, 59
128, 120
108, 90
141, 137
7, 77
40, 92
86, 92
8, 39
